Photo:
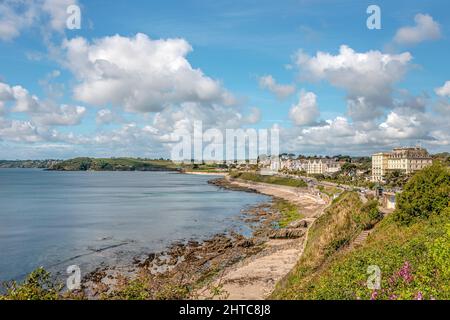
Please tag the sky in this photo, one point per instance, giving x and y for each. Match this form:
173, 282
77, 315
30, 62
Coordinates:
138, 73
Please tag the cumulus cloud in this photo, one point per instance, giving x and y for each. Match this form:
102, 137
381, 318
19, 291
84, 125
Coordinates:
368, 78
424, 29
139, 74
306, 111
64, 115
401, 127
281, 91
44, 113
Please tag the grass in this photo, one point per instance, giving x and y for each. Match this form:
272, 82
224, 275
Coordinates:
329, 191
336, 228
414, 262
410, 247
289, 212
282, 181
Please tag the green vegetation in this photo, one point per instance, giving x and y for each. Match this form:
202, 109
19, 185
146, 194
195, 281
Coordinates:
289, 212
143, 288
427, 193
329, 191
338, 178
269, 179
114, 164
396, 179
443, 157
206, 167
411, 249
37, 286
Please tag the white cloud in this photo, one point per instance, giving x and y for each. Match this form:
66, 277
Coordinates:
45, 113
281, 91
443, 91
107, 116
424, 29
405, 125
368, 77
65, 115
15, 16
400, 127
158, 74
254, 116
57, 11
306, 111
18, 15
16, 130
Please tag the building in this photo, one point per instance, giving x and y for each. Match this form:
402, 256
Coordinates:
406, 160
293, 165
322, 166
379, 166
314, 166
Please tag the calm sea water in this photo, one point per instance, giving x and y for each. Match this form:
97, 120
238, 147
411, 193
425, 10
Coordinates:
57, 219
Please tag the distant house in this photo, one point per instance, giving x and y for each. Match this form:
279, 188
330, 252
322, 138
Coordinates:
322, 166
406, 160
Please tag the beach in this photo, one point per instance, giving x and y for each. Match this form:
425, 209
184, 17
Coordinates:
226, 266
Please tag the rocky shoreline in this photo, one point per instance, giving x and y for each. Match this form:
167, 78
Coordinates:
189, 270
177, 271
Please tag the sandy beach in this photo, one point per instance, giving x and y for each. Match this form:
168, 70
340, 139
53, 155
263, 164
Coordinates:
255, 277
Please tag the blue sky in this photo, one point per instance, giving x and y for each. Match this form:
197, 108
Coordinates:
234, 44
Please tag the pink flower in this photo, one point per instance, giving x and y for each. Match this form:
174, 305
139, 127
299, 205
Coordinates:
374, 295
393, 297
405, 272
419, 296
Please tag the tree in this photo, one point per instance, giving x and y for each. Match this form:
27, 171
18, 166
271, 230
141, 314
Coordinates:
396, 179
426, 193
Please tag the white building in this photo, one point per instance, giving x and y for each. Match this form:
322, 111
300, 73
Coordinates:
407, 160
322, 166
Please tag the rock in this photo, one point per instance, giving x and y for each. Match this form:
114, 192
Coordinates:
246, 243
287, 233
147, 262
298, 224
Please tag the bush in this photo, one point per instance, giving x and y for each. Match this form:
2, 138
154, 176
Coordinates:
370, 215
37, 286
426, 194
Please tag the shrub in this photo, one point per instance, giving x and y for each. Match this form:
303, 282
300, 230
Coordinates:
427, 193
37, 286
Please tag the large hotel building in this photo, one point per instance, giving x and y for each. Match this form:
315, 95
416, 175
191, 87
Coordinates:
406, 160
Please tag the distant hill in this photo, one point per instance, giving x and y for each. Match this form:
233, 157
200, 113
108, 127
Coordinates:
43, 164
114, 164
